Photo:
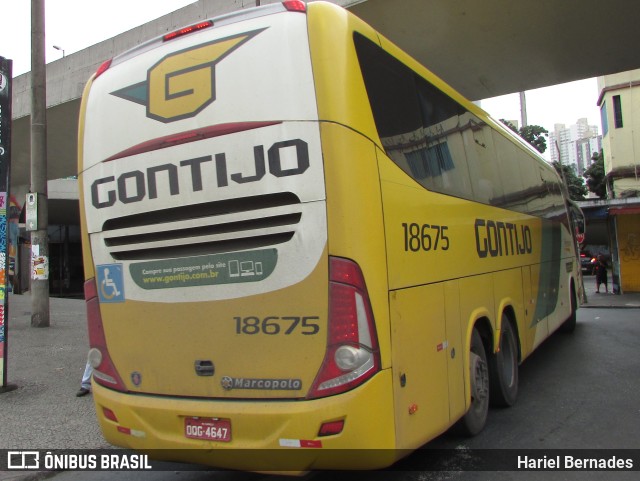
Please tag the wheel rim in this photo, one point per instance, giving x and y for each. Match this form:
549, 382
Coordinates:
479, 378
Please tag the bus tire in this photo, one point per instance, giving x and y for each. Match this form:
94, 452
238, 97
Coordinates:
569, 325
474, 420
504, 367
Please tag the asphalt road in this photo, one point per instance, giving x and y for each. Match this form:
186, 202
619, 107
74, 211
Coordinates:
577, 391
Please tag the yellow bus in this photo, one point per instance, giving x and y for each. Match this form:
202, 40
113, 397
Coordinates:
303, 250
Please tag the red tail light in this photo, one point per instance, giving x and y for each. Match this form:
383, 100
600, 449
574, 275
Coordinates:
352, 354
104, 372
295, 5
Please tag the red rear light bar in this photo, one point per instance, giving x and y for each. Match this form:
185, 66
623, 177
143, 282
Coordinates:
187, 30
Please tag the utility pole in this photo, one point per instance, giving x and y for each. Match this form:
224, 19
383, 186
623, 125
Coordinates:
523, 110
564, 179
37, 198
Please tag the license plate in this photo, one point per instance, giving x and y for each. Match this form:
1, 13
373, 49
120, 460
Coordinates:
210, 429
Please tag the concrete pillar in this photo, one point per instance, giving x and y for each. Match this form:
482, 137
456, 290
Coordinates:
39, 242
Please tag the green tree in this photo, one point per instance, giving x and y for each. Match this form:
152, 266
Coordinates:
533, 134
575, 185
596, 177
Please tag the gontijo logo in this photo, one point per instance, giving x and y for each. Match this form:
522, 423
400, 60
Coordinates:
181, 84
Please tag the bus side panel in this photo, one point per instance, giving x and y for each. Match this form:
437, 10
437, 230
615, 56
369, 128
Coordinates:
341, 95
525, 321
563, 307
455, 369
354, 216
355, 224
538, 329
421, 392
507, 294
569, 271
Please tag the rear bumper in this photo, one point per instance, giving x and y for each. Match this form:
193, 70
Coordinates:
263, 433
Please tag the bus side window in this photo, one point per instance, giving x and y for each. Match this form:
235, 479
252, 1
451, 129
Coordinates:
485, 177
507, 157
420, 128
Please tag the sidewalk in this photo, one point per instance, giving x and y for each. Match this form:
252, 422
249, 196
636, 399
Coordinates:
604, 300
45, 366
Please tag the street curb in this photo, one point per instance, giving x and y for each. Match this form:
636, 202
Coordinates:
586, 306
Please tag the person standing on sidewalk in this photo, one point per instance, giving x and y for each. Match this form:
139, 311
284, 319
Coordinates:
601, 274
85, 385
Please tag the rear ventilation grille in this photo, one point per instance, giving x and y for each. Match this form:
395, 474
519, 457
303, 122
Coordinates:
209, 228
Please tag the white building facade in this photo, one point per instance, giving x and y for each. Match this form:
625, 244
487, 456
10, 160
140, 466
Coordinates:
575, 145
619, 103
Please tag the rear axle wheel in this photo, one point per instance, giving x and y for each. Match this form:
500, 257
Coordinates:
473, 422
504, 367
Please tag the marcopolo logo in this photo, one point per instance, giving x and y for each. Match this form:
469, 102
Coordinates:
229, 383
181, 84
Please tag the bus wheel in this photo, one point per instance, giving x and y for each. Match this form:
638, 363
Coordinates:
473, 422
504, 367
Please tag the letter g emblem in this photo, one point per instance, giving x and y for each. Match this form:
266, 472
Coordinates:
182, 83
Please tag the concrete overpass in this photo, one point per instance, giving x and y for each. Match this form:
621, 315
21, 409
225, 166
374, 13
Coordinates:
482, 48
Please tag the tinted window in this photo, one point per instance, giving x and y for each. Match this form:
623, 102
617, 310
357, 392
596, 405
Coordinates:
446, 148
419, 127
617, 112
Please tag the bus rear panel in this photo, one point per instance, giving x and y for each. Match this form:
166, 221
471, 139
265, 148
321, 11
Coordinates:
218, 317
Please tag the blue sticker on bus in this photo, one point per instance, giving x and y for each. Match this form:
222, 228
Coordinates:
110, 283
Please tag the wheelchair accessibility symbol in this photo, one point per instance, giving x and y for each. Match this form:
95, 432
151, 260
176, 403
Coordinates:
110, 283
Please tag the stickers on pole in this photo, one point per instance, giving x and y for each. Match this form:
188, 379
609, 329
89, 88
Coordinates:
39, 264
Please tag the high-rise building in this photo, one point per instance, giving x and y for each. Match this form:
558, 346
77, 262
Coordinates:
574, 145
585, 150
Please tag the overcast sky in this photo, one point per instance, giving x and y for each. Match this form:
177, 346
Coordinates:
560, 104
74, 25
